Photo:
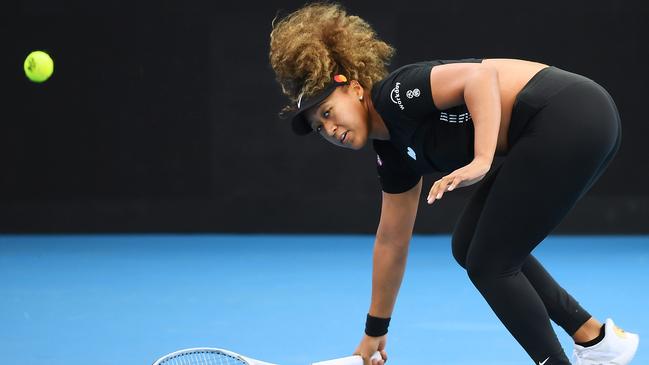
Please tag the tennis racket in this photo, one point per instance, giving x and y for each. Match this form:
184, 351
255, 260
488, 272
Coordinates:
214, 356
207, 356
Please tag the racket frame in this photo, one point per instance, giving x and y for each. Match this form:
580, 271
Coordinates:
233, 354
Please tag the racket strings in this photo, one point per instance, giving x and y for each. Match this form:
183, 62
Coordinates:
204, 358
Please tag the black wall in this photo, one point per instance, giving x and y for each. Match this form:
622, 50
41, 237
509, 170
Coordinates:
161, 116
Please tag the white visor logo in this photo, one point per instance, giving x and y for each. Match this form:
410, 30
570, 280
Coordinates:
299, 100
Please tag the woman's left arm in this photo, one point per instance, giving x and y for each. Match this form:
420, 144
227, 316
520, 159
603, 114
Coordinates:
482, 98
481, 95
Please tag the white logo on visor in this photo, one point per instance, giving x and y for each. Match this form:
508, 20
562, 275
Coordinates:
299, 100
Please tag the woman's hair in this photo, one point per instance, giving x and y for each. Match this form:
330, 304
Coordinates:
310, 45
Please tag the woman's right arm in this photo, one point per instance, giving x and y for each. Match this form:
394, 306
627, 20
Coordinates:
398, 213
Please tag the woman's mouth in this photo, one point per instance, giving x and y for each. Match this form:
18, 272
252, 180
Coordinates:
343, 137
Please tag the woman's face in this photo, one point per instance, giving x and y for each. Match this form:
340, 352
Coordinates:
342, 118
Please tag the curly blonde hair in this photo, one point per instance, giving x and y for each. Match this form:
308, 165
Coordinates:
319, 40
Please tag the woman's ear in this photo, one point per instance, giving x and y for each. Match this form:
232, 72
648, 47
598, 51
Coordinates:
356, 88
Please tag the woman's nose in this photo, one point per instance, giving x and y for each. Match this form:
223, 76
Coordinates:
331, 130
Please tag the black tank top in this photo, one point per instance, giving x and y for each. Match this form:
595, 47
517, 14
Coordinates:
423, 139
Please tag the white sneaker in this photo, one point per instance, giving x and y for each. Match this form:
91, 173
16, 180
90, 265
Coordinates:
616, 348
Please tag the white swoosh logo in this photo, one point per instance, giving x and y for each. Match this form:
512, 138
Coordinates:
544, 361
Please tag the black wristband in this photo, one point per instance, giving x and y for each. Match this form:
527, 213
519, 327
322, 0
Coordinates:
375, 326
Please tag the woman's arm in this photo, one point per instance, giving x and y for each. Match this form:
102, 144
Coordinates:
482, 98
477, 86
398, 212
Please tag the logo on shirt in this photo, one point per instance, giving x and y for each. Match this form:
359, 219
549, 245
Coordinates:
412, 153
454, 118
414, 93
395, 97
378, 160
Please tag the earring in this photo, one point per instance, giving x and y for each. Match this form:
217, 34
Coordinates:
360, 98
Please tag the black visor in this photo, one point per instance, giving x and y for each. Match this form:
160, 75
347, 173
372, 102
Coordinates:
299, 123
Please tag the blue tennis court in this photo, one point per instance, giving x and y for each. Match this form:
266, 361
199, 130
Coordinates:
288, 299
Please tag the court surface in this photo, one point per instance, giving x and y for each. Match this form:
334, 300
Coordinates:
127, 299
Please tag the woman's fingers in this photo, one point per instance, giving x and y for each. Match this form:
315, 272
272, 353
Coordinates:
378, 358
431, 193
447, 183
456, 181
384, 355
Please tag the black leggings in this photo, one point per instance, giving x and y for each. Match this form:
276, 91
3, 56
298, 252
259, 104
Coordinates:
565, 130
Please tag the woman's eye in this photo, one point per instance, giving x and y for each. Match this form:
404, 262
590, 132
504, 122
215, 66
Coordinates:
325, 114
318, 128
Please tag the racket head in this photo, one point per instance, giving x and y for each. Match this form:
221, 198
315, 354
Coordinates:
207, 356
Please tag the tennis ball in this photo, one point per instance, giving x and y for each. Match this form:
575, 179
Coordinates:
38, 66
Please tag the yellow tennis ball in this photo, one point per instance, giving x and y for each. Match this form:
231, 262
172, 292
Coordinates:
38, 66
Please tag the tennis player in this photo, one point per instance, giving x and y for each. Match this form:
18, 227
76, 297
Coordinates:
557, 130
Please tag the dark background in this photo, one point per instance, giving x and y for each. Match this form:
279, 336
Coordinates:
161, 116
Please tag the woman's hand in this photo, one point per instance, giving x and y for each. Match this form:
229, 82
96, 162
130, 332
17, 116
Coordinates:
464, 176
368, 346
